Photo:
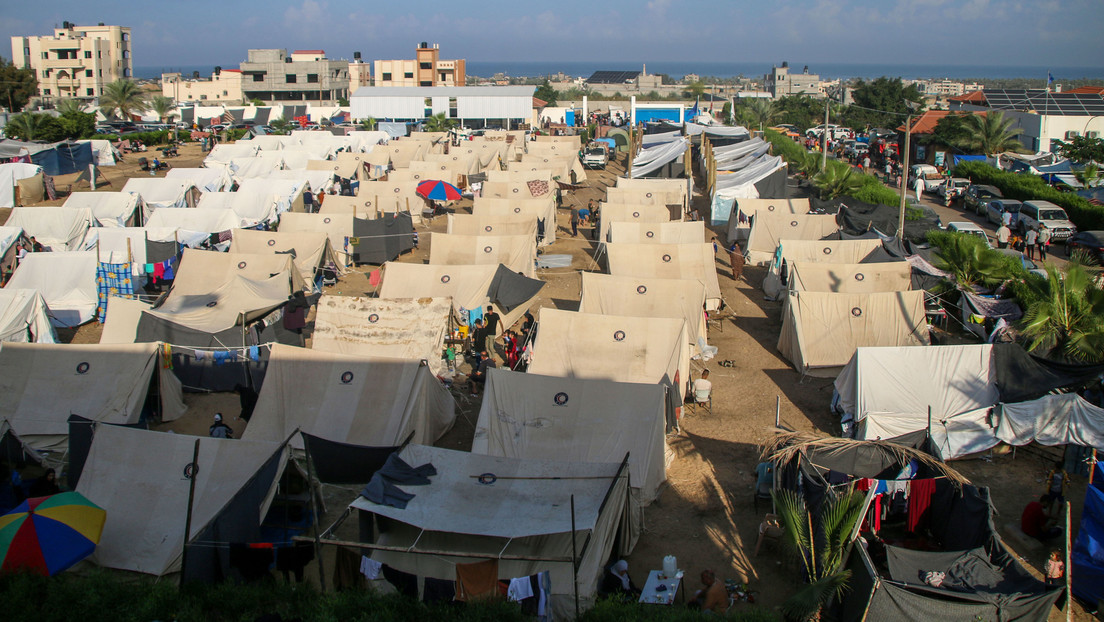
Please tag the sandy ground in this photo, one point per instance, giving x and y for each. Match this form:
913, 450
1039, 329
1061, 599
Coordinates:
705, 514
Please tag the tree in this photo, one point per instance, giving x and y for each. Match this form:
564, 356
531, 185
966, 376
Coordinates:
822, 543
837, 180
969, 260
69, 106
279, 125
439, 123
991, 133
1068, 317
369, 124
77, 125
800, 110
162, 106
1089, 175
1081, 149
950, 132
123, 97
881, 103
546, 92
37, 126
760, 112
726, 113
17, 86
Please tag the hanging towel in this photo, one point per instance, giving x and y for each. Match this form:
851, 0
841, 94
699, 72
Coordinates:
404, 582
877, 513
200, 355
147, 268
374, 277
369, 567
545, 581
169, 272
166, 356
920, 495
520, 589
254, 353
438, 591
476, 580
529, 605
220, 356
347, 572
158, 272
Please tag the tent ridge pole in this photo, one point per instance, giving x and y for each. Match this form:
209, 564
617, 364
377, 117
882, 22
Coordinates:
575, 559
188, 516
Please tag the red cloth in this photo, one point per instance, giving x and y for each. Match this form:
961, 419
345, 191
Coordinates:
863, 484
1033, 521
877, 513
374, 277
158, 271
920, 494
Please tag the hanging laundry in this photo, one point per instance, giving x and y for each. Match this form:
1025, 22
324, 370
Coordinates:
222, 356
347, 569
158, 272
919, 502
254, 353
438, 591
476, 580
200, 355
169, 271
166, 356
369, 567
374, 277
147, 268
544, 579
112, 279
404, 582
520, 589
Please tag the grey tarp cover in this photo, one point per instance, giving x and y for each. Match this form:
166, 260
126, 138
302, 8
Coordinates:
354, 399
530, 416
381, 240
1053, 420
1021, 376
137, 477
525, 511
345, 463
856, 217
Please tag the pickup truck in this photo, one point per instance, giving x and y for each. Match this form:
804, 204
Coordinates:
595, 155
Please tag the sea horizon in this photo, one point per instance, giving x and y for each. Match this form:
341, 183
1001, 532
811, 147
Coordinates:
723, 69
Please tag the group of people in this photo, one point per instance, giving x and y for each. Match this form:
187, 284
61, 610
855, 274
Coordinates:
16, 486
583, 215
1034, 241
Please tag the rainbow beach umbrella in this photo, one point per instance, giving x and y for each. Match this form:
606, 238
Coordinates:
437, 190
46, 535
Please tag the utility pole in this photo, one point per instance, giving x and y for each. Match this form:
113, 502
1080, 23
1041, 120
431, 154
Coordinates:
904, 179
824, 139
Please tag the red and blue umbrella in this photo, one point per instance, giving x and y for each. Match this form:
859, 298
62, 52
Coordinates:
437, 190
46, 535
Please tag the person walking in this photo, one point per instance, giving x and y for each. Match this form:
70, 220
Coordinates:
1043, 241
1030, 239
919, 188
736, 261
574, 222
1003, 233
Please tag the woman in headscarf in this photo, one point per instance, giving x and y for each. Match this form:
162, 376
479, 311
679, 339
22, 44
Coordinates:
616, 582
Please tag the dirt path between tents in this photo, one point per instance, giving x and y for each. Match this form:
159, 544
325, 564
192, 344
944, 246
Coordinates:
705, 515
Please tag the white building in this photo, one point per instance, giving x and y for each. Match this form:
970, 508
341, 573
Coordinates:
780, 82
472, 106
1040, 116
76, 61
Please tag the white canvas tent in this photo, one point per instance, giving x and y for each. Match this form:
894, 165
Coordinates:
56, 228
310, 251
501, 209
1065, 419
103, 152
110, 209
360, 400
358, 206
45, 383
119, 245
121, 323
821, 330
771, 228
262, 164
288, 192
657, 232
522, 176
10, 174
337, 228
523, 519
227, 152
24, 317
249, 208
136, 476
206, 179
518, 190
158, 192
318, 181
191, 222
516, 252
405, 328
67, 282
529, 416
647, 297
694, 262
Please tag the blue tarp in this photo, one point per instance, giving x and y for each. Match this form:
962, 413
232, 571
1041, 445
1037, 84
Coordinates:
720, 210
1088, 550
1061, 167
64, 158
643, 115
969, 158
569, 118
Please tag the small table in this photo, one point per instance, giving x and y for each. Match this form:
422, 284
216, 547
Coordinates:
664, 597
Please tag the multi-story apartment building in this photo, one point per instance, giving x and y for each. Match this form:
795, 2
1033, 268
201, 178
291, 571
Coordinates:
780, 82
76, 61
225, 86
427, 69
274, 77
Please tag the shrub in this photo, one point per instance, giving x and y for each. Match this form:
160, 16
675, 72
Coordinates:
1027, 187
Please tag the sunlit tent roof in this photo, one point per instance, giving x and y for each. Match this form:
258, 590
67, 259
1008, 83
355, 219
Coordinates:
407, 328
647, 297
67, 281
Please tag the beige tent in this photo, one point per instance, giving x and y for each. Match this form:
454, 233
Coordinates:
518, 190
360, 206
671, 191
336, 226
140, 478
562, 167
56, 228
529, 416
44, 383
520, 514
516, 252
346, 398
123, 315
469, 287
465, 163
477, 224
771, 228
347, 164
647, 297
420, 170
668, 261
544, 208
406, 328
519, 176
657, 232
850, 278
738, 229
393, 196
401, 152
638, 197
813, 251
310, 251
639, 350
821, 330
629, 212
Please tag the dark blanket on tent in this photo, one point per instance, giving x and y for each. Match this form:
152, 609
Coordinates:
509, 289
383, 239
856, 217
998, 581
64, 158
773, 186
344, 463
1021, 376
871, 460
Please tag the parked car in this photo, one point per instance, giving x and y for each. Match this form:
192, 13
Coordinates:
928, 173
976, 194
595, 155
1035, 213
1028, 265
1092, 242
953, 187
969, 228
995, 209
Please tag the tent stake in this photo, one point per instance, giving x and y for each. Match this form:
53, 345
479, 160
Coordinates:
777, 410
575, 559
188, 517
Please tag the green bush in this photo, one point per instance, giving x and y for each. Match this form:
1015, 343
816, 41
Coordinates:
1027, 187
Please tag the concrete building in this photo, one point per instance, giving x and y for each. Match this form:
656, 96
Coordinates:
1042, 117
76, 61
224, 86
274, 77
780, 82
472, 106
427, 69
360, 73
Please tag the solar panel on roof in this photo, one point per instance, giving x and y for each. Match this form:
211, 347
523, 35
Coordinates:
1059, 104
612, 77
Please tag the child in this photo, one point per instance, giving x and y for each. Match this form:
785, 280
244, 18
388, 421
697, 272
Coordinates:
1055, 568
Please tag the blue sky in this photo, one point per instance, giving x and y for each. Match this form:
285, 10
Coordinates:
953, 32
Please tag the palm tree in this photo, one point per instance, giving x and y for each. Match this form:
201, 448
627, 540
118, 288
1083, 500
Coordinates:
123, 97
969, 261
69, 107
279, 125
439, 123
1089, 176
28, 125
760, 111
369, 124
822, 542
162, 106
1068, 317
992, 133
837, 180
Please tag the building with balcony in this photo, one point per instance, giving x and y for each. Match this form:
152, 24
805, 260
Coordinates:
76, 61
427, 69
275, 77
225, 86
780, 82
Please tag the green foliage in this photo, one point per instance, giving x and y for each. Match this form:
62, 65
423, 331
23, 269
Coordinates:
546, 92
161, 137
881, 103
726, 113
1026, 187
950, 132
758, 112
124, 97
992, 133
439, 123
971, 261
873, 190
341, 101
36, 126
1081, 149
162, 106
1089, 175
800, 110
369, 124
69, 106
1067, 318
837, 180
78, 125
17, 86
282, 126
695, 88
255, 102
791, 152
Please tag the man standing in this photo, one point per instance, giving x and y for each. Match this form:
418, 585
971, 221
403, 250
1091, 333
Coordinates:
220, 429
574, 222
1030, 238
1003, 233
736, 261
490, 320
1043, 241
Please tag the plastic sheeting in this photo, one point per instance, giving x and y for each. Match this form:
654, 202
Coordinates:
652, 159
1052, 420
406, 328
